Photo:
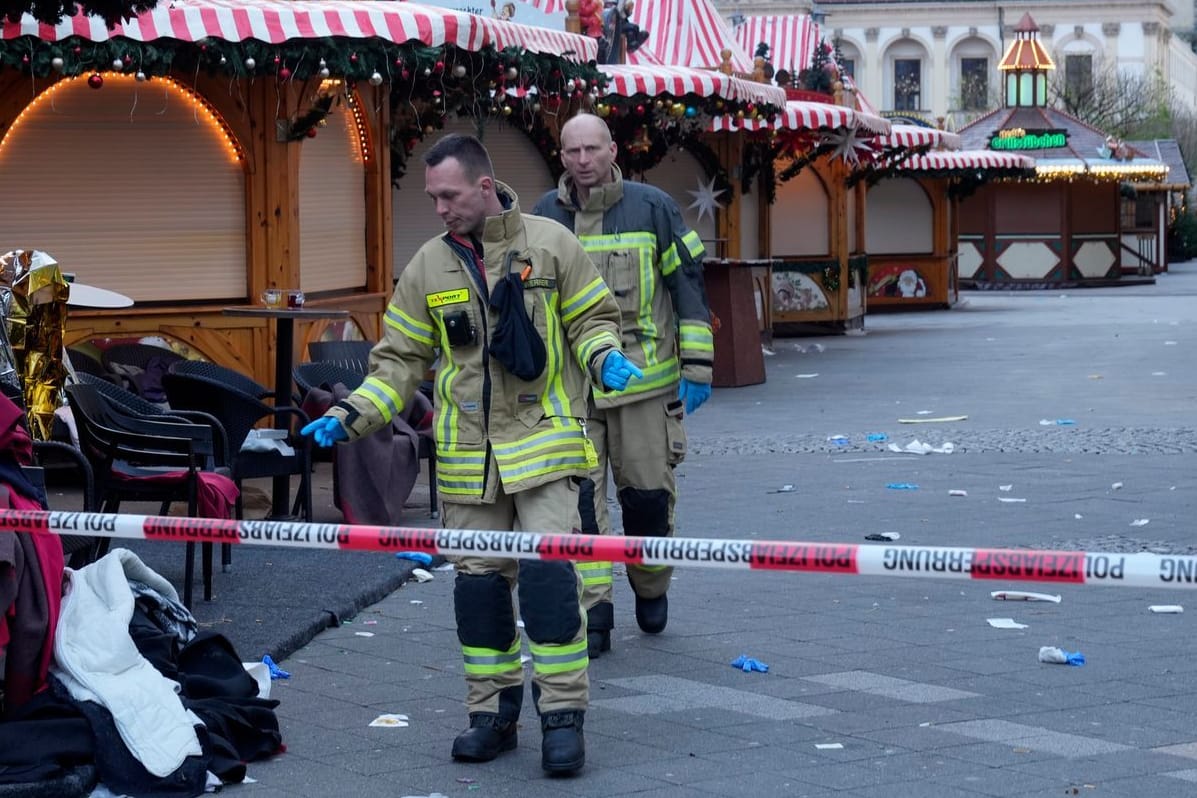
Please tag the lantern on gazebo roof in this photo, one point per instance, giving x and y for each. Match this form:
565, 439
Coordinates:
1025, 66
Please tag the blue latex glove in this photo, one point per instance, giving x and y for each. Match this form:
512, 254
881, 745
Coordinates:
693, 394
618, 371
275, 671
325, 431
748, 664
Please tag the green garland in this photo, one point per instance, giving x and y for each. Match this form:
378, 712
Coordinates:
756, 161
52, 12
298, 59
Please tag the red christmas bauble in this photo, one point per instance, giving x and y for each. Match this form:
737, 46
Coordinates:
95, 80
284, 74
439, 67
311, 133
353, 58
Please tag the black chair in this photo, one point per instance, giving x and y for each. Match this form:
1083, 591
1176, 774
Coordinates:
321, 373
124, 450
211, 372
131, 404
352, 355
84, 363
141, 366
239, 412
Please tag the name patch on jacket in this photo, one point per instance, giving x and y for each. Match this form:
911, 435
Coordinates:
442, 298
540, 282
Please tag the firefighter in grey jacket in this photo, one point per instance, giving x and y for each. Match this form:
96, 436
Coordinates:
652, 262
518, 315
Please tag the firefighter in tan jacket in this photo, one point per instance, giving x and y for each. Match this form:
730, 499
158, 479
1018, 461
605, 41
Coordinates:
518, 316
652, 262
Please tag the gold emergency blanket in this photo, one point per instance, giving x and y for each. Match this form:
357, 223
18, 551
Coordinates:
33, 307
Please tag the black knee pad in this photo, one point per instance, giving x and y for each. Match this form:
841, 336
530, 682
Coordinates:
586, 507
549, 601
485, 618
645, 512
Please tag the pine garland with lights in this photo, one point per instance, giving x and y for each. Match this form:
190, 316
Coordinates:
512, 84
52, 12
373, 60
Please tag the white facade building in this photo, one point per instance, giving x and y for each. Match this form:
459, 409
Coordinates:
939, 59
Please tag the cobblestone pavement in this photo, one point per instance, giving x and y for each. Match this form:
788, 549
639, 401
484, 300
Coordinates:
876, 687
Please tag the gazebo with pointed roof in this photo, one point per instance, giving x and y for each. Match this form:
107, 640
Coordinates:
1079, 219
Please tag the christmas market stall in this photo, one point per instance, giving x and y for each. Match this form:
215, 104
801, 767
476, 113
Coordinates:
1080, 219
211, 150
813, 232
913, 201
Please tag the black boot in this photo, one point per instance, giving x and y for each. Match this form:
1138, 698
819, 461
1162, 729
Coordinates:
600, 619
652, 614
488, 736
597, 641
562, 747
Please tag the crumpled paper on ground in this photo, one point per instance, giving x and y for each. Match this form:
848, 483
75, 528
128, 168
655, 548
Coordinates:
918, 447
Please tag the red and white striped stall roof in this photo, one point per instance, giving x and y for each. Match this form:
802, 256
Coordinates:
276, 21
967, 160
685, 33
626, 80
912, 136
791, 39
806, 115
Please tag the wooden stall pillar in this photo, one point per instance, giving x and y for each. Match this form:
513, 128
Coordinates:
380, 264
273, 189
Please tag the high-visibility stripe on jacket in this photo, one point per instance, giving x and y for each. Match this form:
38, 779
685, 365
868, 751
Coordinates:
652, 263
486, 420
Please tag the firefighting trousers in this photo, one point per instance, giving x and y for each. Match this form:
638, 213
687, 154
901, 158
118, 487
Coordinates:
640, 444
549, 601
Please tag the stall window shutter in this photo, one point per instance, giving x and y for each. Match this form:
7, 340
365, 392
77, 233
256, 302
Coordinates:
129, 187
332, 207
517, 163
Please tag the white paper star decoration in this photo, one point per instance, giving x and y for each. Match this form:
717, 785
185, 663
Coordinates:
706, 199
849, 147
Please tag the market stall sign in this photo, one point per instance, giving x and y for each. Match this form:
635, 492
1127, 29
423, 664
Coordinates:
1017, 138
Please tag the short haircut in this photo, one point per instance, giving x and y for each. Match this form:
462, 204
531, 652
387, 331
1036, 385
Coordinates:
467, 151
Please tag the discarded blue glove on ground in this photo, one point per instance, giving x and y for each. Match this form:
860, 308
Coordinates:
902, 486
275, 671
693, 394
1059, 656
418, 556
325, 431
618, 370
748, 664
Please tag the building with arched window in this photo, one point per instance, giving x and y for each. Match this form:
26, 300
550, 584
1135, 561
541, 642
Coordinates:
939, 60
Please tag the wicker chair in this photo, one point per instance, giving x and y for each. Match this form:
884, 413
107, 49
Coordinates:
352, 355
141, 366
122, 449
220, 374
239, 412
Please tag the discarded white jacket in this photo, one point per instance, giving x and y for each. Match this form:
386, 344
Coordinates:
96, 660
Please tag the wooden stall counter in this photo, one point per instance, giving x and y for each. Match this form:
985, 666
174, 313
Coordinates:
732, 295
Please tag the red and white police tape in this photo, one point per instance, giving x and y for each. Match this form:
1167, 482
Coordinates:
942, 562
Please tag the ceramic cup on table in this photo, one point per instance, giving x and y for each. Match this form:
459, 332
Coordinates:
272, 298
